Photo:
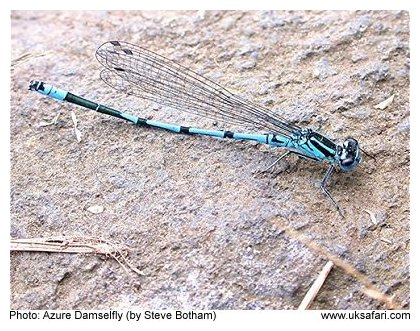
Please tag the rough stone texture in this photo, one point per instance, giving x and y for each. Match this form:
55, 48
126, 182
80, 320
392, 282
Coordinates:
193, 210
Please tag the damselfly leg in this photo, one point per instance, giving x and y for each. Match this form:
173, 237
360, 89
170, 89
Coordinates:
274, 163
325, 191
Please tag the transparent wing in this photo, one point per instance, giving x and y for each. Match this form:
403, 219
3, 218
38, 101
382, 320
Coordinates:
137, 71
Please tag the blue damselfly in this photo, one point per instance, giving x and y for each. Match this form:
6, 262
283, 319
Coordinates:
137, 71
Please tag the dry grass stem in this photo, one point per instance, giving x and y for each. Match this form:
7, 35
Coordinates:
74, 245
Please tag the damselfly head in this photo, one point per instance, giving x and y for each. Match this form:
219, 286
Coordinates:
349, 154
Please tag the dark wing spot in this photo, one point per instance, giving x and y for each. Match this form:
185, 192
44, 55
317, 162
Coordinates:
119, 69
127, 51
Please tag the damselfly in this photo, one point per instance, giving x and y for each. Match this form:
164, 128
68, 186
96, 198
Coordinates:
137, 71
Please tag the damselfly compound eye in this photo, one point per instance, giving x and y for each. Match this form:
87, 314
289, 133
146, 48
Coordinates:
350, 155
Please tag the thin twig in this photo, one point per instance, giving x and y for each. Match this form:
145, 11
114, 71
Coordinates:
316, 286
26, 57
